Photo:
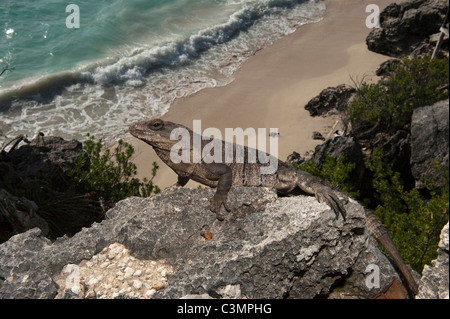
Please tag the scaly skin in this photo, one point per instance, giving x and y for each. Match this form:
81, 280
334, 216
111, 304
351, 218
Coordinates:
222, 176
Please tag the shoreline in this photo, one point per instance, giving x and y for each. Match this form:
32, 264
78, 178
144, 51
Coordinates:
272, 87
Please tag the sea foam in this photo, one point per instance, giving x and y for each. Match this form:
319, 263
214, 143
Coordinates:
141, 81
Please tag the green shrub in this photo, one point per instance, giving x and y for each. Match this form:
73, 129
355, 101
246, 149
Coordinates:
412, 83
414, 222
111, 176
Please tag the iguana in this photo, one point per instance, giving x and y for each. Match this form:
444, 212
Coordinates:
222, 175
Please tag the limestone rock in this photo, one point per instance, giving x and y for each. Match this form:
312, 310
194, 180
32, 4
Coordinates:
267, 247
435, 283
113, 273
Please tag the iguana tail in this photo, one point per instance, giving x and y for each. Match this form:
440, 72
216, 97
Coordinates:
379, 232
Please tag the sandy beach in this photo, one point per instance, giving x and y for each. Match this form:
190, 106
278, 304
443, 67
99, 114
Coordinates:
272, 87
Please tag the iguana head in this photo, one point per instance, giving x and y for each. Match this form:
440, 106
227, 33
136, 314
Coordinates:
156, 133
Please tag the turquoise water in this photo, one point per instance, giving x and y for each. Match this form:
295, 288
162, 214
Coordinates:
129, 59
36, 40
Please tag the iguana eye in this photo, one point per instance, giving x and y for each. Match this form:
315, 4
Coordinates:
156, 125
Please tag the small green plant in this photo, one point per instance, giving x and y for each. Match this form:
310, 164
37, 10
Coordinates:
391, 101
111, 176
414, 222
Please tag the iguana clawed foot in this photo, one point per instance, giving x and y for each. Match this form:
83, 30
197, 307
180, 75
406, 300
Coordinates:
216, 202
323, 194
329, 196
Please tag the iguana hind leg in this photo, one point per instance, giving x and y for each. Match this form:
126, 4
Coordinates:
289, 178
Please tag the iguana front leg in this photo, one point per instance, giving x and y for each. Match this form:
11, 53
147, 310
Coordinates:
289, 178
223, 174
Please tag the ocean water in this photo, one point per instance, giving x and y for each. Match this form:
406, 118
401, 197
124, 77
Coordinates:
128, 60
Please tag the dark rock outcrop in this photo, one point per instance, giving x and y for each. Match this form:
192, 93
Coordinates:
385, 68
406, 28
351, 150
267, 247
396, 149
429, 141
337, 146
45, 159
295, 158
332, 98
18, 215
37, 172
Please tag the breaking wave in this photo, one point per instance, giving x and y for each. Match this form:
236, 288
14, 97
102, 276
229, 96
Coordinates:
103, 97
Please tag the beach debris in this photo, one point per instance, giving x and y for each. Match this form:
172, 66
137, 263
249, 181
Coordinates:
274, 134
